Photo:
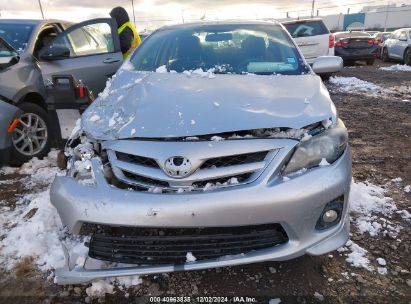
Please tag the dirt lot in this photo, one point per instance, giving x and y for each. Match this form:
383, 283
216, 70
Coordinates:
379, 126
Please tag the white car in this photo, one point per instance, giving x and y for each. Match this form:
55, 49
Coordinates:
398, 46
312, 37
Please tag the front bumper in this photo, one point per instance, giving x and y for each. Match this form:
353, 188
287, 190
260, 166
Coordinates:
354, 54
295, 204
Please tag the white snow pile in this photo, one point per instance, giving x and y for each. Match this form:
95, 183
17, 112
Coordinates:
397, 68
372, 210
190, 258
356, 255
34, 229
355, 85
368, 202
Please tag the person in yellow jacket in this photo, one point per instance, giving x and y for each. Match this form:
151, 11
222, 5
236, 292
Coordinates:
129, 37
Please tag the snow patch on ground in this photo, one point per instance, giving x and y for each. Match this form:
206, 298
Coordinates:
368, 201
397, 68
357, 256
354, 85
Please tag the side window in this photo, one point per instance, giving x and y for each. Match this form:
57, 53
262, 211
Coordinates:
306, 29
44, 38
90, 39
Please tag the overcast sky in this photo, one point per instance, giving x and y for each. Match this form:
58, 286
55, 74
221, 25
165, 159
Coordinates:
152, 13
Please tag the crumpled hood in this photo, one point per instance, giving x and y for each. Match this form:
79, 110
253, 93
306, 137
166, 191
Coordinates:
165, 105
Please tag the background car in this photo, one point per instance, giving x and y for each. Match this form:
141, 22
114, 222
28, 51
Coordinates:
398, 46
312, 37
8, 113
380, 37
39, 50
355, 46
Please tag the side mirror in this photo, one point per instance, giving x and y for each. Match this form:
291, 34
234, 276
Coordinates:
7, 61
55, 52
327, 64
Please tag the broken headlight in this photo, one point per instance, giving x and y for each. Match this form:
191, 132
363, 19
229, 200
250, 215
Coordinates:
329, 145
79, 156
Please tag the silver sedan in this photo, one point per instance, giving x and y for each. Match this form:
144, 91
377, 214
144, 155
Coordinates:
215, 145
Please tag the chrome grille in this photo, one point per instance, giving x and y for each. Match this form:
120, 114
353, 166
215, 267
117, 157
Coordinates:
139, 165
136, 159
235, 160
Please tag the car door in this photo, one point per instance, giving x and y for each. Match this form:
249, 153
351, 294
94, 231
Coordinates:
396, 46
390, 42
402, 44
92, 53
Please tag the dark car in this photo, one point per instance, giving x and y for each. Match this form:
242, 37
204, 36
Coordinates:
38, 52
356, 46
380, 37
8, 120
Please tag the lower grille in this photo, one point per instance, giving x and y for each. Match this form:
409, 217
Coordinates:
171, 245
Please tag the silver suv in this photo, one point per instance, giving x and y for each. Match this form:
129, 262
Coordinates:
215, 145
312, 37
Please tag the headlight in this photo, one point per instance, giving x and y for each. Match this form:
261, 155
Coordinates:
79, 161
329, 145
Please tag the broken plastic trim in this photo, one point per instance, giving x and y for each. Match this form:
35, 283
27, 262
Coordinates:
288, 133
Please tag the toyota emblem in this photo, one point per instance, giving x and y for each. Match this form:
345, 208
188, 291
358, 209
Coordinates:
177, 166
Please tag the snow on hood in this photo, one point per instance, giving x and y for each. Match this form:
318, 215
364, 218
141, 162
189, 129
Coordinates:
165, 105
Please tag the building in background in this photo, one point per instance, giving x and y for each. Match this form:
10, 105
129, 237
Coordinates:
381, 18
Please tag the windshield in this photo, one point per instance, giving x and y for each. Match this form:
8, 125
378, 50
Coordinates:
17, 35
239, 49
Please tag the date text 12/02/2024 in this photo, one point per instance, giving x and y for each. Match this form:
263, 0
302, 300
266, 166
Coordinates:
206, 299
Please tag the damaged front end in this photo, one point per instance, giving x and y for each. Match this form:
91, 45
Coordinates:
240, 199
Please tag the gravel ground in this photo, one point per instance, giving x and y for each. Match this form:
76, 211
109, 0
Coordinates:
379, 126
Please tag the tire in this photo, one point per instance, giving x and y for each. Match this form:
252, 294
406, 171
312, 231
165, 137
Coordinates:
325, 77
347, 62
370, 61
32, 137
384, 55
407, 57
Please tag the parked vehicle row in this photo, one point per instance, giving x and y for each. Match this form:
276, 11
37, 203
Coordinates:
314, 39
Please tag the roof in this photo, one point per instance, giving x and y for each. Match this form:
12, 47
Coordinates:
29, 21
301, 20
222, 22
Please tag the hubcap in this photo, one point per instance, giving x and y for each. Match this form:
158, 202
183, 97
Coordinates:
30, 135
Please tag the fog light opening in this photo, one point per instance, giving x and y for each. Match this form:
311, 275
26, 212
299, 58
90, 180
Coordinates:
331, 214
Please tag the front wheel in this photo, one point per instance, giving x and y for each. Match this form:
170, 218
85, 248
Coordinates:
31, 137
407, 57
